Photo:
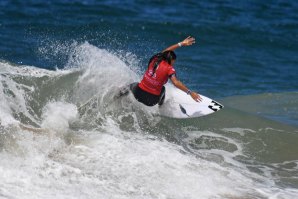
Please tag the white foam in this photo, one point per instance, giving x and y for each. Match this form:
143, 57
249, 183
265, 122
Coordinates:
111, 166
6, 117
116, 164
57, 115
26, 71
240, 131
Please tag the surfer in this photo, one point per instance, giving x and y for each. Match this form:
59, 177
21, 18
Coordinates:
151, 90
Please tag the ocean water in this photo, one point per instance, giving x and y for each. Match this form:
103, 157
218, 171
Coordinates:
56, 55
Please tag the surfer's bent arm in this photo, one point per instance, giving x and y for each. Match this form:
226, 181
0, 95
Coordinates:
182, 87
186, 42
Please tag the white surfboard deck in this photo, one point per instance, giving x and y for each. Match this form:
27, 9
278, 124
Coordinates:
178, 104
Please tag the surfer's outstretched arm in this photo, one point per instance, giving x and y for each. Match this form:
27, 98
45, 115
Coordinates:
182, 87
186, 42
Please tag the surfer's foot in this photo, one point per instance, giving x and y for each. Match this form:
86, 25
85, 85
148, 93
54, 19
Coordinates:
123, 91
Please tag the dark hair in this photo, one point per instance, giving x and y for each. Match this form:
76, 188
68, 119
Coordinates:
167, 56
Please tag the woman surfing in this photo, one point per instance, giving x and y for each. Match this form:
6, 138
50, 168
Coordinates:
150, 90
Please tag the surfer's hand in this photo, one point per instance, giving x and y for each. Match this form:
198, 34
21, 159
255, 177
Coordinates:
188, 41
196, 96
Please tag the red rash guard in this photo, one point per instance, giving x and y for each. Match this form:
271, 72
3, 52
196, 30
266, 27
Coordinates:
153, 84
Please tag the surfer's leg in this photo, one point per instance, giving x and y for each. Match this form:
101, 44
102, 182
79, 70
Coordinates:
162, 96
144, 97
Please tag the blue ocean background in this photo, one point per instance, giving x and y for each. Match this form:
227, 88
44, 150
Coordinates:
55, 55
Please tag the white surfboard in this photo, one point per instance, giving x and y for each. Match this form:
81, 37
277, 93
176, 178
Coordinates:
178, 104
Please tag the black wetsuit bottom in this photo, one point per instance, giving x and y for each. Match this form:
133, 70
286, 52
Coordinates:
147, 98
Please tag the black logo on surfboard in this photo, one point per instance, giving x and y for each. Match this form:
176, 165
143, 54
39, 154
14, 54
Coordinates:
215, 106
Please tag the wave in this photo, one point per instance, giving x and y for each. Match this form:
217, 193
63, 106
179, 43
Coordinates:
121, 148
282, 107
